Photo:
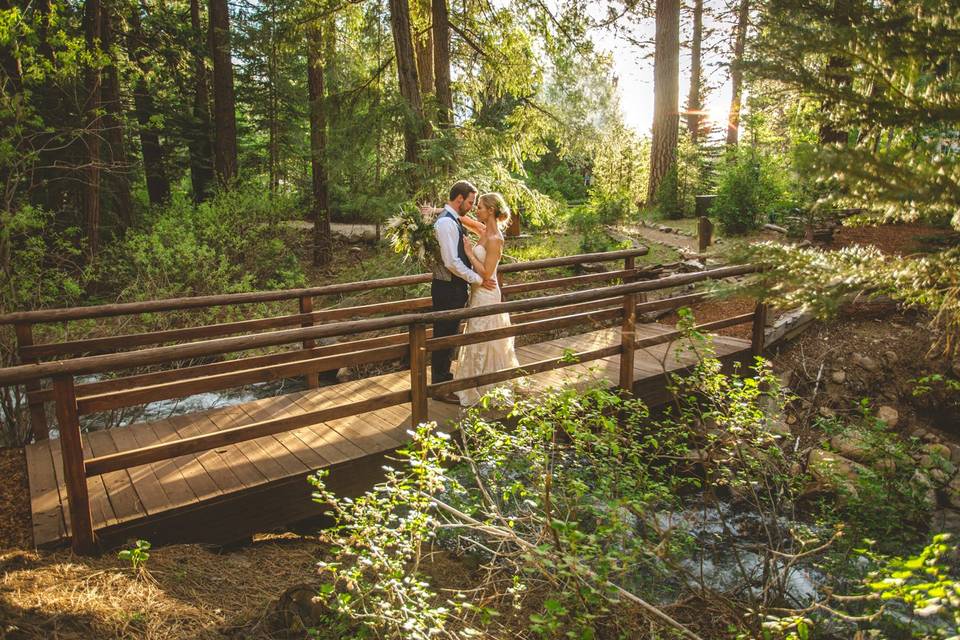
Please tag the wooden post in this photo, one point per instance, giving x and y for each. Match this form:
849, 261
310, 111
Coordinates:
628, 341
74, 471
38, 415
306, 306
418, 374
759, 326
704, 234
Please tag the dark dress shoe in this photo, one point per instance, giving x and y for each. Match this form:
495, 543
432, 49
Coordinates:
450, 398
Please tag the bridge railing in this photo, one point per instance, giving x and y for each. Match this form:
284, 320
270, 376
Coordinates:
586, 310
309, 360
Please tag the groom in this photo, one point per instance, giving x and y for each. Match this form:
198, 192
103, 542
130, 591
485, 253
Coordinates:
449, 288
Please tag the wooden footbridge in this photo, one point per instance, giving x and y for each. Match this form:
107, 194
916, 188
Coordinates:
224, 474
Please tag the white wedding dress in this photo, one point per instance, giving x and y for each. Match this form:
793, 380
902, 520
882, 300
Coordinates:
484, 357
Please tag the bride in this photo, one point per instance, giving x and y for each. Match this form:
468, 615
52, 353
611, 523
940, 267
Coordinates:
495, 355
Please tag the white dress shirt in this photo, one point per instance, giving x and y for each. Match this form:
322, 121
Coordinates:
448, 236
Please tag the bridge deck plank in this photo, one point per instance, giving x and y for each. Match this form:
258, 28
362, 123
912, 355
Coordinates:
245, 474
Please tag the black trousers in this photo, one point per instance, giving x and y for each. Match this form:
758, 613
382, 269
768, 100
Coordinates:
446, 295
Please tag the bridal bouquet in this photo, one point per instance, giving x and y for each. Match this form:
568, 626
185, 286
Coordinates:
411, 234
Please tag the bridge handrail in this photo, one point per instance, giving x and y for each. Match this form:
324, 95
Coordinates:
96, 364
197, 302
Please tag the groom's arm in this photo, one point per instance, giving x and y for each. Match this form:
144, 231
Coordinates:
448, 238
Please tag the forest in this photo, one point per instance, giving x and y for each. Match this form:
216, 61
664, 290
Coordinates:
154, 153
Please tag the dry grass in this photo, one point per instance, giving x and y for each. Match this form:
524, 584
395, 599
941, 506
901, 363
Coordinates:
186, 591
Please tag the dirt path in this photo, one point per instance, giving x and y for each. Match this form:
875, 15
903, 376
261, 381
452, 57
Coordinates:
676, 241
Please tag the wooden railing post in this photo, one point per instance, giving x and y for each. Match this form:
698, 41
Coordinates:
306, 306
759, 326
38, 415
418, 374
628, 341
74, 471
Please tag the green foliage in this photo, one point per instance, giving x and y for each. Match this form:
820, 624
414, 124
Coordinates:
235, 242
137, 556
39, 267
676, 195
886, 87
751, 189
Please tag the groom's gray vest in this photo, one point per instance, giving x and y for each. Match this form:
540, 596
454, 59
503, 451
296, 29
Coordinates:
440, 272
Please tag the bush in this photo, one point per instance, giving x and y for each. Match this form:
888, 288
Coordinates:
750, 189
232, 243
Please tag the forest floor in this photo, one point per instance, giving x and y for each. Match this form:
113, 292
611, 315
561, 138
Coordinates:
192, 591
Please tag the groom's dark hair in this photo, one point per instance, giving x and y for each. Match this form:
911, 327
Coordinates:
461, 188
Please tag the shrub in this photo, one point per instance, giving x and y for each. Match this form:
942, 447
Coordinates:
750, 189
234, 242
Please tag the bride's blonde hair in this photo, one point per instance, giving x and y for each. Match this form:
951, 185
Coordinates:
496, 202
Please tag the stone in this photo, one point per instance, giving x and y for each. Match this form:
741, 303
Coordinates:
851, 445
791, 419
778, 426
945, 521
834, 471
889, 416
939, 477
954, 452
953, 492
343, 374
932, 438
839, 376
865, 362
826, 412
886, 466
891, 356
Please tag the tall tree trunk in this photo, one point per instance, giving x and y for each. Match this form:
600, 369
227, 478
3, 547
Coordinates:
736, 73
407, 75
423, 41
273, 108
201, 151
695, 96
224, 104
838, 74
441, 61
666, 94
113, 128
322, 241
92, 128
158, 185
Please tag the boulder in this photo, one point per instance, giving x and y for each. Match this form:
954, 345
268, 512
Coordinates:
889, 416
851, 445
834, 471
953, 492
936, 456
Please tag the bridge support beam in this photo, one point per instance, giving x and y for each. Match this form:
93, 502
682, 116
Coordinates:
74, 469
418, 374
38, 415
759, 326
628, 341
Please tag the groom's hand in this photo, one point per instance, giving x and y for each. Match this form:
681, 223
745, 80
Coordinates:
489, 283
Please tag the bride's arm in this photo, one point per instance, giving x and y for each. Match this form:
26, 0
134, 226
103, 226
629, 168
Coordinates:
473, 225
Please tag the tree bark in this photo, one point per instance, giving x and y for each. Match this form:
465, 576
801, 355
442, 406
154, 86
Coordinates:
838, 74
113, 128
695, 97
273, 109
407, 75
158, 185
322, 241
92, 128
666, 94
201, 161
441, 61
736, 74
423, 41
224, 103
